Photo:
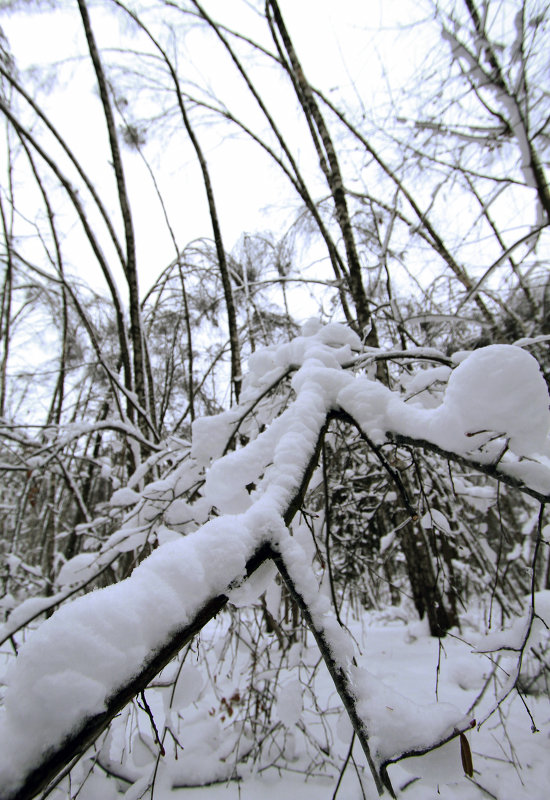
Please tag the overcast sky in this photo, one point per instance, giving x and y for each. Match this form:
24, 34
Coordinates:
344, 48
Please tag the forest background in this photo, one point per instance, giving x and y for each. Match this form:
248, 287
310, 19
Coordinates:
185, 185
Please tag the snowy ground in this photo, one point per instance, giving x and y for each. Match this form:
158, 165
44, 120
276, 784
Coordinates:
510, 761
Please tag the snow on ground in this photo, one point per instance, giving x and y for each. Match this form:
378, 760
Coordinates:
510, 761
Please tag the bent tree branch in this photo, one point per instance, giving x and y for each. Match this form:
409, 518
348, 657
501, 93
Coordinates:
56, 756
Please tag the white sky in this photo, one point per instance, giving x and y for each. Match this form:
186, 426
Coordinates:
334, 41
352, 50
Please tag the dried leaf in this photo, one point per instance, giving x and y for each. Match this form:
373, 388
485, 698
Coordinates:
466, 756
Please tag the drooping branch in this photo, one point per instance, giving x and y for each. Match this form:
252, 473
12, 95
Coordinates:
338, 674
236, 371
493, 470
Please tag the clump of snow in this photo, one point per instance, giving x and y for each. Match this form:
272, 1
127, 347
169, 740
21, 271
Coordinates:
443, 765
261, 363
129, 537
311, 327
77, 569
165, 535
530, 473
250, 590
178, 512
157, 489
496, 391
425, 378
435, 519
124, 497
367, 402
211, 435
397, 724
339, 335
480, 497
500, 388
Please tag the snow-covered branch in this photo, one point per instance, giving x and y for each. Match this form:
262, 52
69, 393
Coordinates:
82, 666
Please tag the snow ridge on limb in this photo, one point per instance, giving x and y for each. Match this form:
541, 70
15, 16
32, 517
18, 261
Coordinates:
493, 416
86, 662
25, 780
93, 655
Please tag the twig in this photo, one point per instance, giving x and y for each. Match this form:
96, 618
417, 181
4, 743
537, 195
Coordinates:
344, 766
149, 713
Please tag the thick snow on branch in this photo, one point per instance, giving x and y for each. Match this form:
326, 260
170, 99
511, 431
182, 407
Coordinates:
78, 659
83, 654
494, 411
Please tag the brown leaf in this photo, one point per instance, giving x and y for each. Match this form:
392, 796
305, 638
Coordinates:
466, 756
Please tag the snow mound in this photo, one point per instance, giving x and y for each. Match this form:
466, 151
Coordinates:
496, 391
500, 388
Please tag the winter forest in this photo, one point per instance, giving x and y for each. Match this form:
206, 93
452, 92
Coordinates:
274, 410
